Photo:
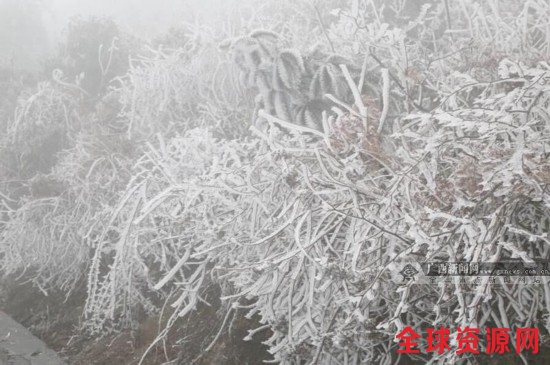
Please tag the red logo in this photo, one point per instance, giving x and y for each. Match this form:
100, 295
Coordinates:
497, 340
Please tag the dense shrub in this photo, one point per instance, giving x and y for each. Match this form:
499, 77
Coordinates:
381, 135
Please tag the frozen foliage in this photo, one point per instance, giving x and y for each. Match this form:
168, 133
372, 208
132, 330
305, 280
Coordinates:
405, 134
312, 235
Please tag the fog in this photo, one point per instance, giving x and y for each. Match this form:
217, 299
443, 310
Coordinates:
30, 30
275, 181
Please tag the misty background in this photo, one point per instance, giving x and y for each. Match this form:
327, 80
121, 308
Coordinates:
31, 30
228, 182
